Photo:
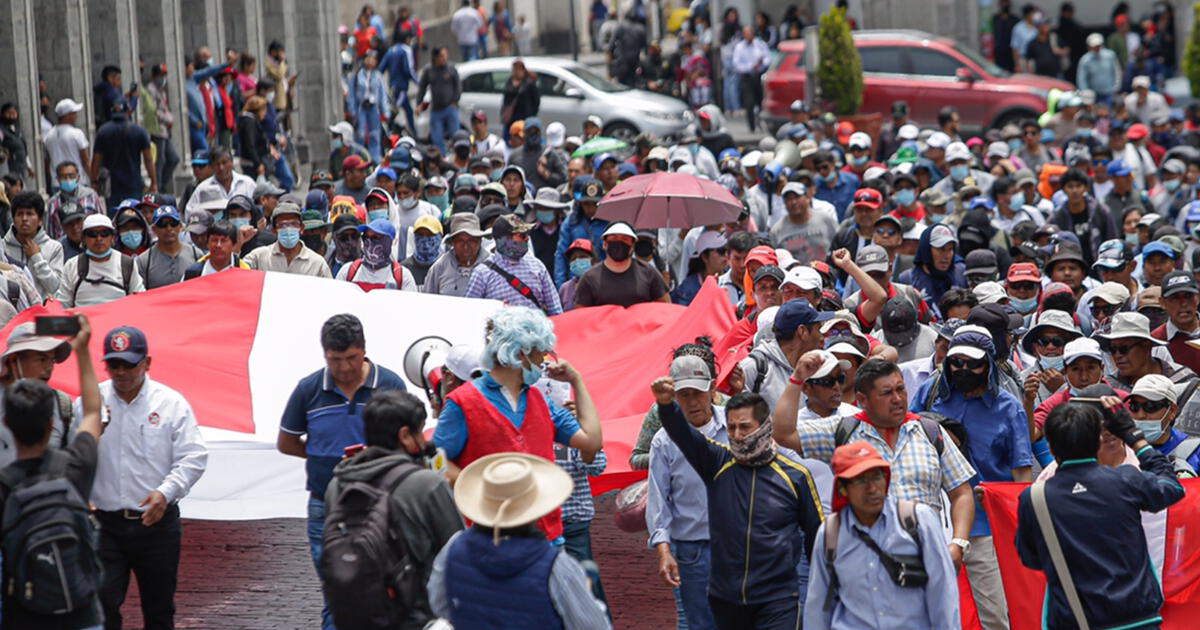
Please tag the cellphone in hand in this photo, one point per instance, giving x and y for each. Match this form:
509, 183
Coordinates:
57, 326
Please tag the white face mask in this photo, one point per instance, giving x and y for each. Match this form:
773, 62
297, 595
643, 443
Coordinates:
408, 203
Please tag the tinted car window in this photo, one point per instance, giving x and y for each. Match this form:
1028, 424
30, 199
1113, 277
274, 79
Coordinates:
883, 59
933, 62
486, 82
550, 85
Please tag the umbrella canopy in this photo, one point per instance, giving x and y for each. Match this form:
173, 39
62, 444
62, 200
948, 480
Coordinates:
675, 200
599, 144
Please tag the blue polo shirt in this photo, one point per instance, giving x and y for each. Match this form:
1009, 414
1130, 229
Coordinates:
451, 432
1178, 436
840, 194
997, 436
317, 408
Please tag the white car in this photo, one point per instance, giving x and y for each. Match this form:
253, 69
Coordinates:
570, 92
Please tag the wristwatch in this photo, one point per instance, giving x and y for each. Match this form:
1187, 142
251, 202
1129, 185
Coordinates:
963, 543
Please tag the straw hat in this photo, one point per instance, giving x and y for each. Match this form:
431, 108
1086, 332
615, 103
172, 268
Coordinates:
506, 490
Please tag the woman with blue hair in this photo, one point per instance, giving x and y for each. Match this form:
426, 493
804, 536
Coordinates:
501, 411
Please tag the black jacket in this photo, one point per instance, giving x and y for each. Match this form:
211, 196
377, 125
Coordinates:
524, 98
254, 150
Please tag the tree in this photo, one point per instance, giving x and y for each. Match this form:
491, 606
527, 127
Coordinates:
1191, 53
839, 72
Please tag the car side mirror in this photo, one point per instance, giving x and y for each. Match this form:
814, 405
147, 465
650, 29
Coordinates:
573, 92
964, 75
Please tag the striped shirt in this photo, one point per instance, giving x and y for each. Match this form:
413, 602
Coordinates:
487, 283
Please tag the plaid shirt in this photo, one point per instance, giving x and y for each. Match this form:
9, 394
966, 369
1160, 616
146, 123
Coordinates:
918, 473
579, 507
486, 283
85, 198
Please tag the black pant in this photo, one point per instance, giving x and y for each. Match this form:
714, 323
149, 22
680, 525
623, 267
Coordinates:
778, 614
152, 553
752, 95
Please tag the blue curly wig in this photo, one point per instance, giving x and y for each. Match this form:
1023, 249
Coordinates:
514, 331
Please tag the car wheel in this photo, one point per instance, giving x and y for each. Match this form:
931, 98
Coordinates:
621, 131
1016, 117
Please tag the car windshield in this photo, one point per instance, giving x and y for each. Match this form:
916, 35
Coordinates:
979, 60
589, 77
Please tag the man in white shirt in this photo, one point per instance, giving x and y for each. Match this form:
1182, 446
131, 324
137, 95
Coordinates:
223, 184
751, 56
466, 24
100, 274
151, 456
66, 142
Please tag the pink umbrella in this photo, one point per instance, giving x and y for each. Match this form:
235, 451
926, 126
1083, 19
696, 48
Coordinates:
675, 200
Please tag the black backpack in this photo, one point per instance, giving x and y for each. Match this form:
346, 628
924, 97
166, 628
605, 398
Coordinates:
85, 266
49, 539
933, 431
369, 579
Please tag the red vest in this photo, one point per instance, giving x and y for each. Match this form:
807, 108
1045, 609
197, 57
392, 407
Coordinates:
489, 432
1183, 352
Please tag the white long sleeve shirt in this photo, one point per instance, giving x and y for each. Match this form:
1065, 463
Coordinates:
152, 443
751, 57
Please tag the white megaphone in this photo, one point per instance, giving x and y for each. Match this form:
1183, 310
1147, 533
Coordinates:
422, 357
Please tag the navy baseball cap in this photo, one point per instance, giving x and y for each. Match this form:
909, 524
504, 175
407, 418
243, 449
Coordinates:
316, 200
796, 313
380, 226
166, 212
125, 343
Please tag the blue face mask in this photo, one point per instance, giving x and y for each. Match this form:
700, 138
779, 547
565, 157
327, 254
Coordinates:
69, 185
381, 213
337, 144
905, 197
959, 172
859, 161
1014, 145
579, 266
240, 221
831, 178
1017, 200
131, 240
1132, 240
1051, 363
289, 237
1084, 133
935, 219
1172, 184
496, 173
1024, 306
218, 215
104, 254
1151, 428
531, 375
546, 217
441, 201
427, 248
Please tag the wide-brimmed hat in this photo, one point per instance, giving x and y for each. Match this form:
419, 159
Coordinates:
506, 490
1058, 320
25, 337
1129, 326
465, 223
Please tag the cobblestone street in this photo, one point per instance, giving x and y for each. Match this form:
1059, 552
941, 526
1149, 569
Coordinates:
257, 575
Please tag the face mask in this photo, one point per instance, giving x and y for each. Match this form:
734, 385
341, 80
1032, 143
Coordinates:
959, 172
69, 186
966, 380
408, 203
218, 215
546, 217
510, 247
1152, 428
1052, 363
1132, 240
643, 249
859, 161
441, 201
240, 221
756, 449
104, 254
131, 240
1014, 144
289, 237
905, 197
1017, 200
337, 144
381, 213
377, 252
347, 250
579, 266
1172, 184
1075, 391
1023, 306
427, 249
935, 219
496, 173
618, 251
313, 241
831, 178
531, 375
1084, 133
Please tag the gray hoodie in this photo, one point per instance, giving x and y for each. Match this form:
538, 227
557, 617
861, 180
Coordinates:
45, 267
779, 370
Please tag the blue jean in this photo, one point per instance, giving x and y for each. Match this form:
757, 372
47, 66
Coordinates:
470, 53
316, 531
199, 139
579, 544
400, 96
732, 89
283, 172
694, 560
442, 123
369, 130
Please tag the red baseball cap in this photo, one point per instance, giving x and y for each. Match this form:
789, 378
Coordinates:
845, 129
764, 255
868, 197
852, 460
1024, 272
581, 244
1137, 131
353, 161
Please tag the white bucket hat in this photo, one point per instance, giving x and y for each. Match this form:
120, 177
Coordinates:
505, 490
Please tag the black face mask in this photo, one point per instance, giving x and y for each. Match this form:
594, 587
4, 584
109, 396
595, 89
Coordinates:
462, 152
618, 251
430, 451
643, 249
964, 380
313, 242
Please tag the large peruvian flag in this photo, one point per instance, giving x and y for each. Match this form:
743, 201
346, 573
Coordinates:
235, 344
1172, 537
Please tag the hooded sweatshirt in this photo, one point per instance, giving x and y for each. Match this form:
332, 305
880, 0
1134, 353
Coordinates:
147, 237
717, 139
930, 281
779, 370
45, 266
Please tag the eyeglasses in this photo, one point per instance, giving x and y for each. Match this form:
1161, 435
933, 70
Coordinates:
868, 479
1124, 349
886, 231
1150, 406
288, 224
828, 381
346, 237
1050, 342
959, 363
168, 224
97, 233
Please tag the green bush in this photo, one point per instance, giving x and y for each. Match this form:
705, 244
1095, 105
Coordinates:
839, 73
1191, 53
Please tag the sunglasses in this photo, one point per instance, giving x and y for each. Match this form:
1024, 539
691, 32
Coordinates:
1122, 349
1105, 310
719, 250
828, 381
1051, 342
346, 237
959, 363
886, 231
1023, 286
168, 224
1150, 406
97, 233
